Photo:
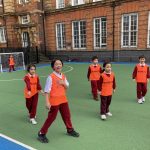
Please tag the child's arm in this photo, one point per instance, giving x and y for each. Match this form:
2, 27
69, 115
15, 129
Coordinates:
39, 88
134, 73
64, 83
27, 81
100, 84
88, 74
47, 104
114, 84
148, 74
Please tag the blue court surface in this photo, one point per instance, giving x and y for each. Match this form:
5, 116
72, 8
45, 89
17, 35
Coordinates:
7, 143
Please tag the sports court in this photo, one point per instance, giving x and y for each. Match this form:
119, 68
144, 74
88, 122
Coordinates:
127, 129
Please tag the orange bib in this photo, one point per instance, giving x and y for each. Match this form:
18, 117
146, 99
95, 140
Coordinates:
141, 74
58, 92
95, 72
107, 85
11, 61
33, 84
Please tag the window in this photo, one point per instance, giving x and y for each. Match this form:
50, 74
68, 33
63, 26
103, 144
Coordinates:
25, 39
1, 4
77, 2
100, 32
79, 34
23, 1
60, 4
25, 19
96, 0
2, 35
129, 30
148, 39
60, 36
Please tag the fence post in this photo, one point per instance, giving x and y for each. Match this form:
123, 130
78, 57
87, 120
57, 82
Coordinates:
37, 55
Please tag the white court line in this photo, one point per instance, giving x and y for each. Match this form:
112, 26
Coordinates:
71, 68
17, 142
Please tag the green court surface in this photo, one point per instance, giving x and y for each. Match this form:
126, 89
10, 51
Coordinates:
127, 129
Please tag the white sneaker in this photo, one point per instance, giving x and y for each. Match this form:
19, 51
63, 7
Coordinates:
33, 121
103, 117
140, 101
143, 99
109, 114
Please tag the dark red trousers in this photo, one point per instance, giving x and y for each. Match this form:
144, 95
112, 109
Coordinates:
65, 114
11, 67
141, 90
105, 103
31, 104
94, 88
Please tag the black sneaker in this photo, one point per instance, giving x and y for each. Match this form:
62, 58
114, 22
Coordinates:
42, 138
73, 133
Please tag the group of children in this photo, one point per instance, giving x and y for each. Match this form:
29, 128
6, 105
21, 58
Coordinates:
102, 83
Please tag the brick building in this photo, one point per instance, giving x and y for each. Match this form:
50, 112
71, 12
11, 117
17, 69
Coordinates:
76, 25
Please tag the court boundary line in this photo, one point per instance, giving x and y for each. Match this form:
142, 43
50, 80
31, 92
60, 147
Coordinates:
17, 142
71, 68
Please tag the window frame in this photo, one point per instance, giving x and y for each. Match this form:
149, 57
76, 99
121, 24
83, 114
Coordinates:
4, 34
58, 5
148, 33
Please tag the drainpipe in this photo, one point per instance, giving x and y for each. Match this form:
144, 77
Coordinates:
4, 19
43, 25
113, 46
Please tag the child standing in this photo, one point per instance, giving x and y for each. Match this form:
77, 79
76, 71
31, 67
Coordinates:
141, 75
11, 63
31, 91
93, 75
56, 100
107, 86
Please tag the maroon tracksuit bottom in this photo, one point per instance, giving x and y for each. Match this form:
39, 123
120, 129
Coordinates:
141, 90
65, 114
105, 102
94, 87
11, 67
31, 104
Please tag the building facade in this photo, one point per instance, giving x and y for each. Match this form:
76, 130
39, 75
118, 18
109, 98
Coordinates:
76, 25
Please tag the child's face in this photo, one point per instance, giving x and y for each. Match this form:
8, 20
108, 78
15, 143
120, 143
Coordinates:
58, 66
32, 70
95, 61
142, 60
11, 56
108, 68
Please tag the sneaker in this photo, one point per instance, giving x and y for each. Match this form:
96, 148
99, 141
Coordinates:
109, 114
73, 133
42, 138
33, 121
140, 101
103, 117
143, 99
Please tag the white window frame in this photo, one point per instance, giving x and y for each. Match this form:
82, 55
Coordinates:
96, 0
63, 43
102, 45
1, 3
148, 35
73, 44
77, 2
3, 34
25, 20
23, 1
60, 5
129, 45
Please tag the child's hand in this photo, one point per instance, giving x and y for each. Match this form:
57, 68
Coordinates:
29, 93
61, 82
147, 80
134, 80
48, 106
42, 92
99, 92
114, 91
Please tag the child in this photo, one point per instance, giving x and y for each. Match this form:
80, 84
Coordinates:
31, 91
107, 86
56, 100
11, 63
93, 75
141, 75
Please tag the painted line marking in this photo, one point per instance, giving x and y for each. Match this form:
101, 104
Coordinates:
16, 142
